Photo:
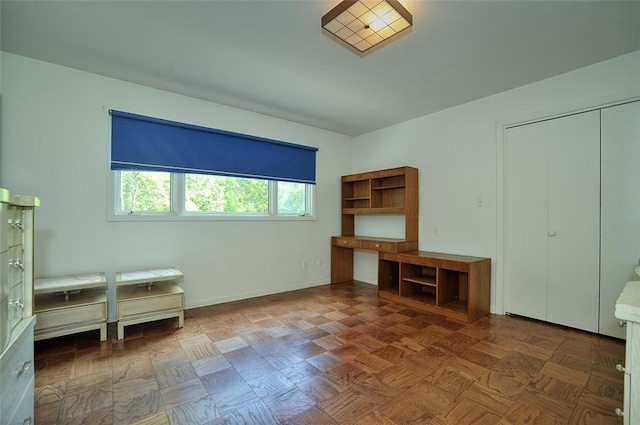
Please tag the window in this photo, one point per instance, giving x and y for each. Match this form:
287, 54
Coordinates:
222, 194
152, 195
148, 191
169, 170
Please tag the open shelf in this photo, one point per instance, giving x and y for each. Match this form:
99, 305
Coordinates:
421, 280
398, 186
458, 306
455, 286
390, 283
356, 194
419, 292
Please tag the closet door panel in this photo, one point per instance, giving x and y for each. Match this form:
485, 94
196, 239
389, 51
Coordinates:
526, 215
574, 220
620, 238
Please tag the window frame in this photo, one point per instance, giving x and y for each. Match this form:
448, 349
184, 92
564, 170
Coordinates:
177, 199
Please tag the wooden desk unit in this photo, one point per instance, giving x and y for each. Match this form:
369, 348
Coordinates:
384, 192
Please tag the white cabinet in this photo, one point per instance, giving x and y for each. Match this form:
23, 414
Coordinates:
620, 233
553, 220
16, 308
627, 309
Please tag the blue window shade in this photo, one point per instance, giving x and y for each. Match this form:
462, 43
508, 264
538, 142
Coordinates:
150, 144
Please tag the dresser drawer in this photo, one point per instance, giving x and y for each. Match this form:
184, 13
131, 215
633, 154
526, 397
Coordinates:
16, 305
15, 265
4, 323
15, 225
16, 375
23, 415
142, 301
5, 287
71, 315
4, 226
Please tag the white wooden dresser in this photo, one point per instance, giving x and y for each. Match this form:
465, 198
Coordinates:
16, 308
628, 312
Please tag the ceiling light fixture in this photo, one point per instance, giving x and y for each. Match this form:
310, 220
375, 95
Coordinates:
363, 24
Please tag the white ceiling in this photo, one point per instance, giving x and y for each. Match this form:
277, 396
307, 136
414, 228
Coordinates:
272, 57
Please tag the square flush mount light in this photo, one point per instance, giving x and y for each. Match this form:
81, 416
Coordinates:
363, 24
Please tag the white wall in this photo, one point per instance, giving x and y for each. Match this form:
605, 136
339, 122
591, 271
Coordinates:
55, 144
457, 154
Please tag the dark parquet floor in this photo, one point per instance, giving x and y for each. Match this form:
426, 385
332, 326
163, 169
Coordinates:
334, 354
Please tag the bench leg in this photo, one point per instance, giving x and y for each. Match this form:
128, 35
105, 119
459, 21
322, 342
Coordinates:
120, 330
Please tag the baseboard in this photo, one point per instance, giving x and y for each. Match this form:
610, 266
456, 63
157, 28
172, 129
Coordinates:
253, 294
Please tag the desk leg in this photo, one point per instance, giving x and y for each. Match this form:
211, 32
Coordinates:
341, 264
120, 330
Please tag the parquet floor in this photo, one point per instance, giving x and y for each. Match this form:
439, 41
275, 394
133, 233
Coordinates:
334, 354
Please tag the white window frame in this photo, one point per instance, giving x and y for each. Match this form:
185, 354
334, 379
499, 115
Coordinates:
177, 212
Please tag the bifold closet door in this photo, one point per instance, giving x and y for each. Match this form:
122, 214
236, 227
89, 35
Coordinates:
620, 238
553, 220
526, 216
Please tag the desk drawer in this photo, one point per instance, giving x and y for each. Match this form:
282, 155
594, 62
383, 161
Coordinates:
347, 242
149, 304
380, 246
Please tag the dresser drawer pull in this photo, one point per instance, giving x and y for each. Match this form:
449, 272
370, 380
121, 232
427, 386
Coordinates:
619, 411
622, 323
620, 368
17, 303
17, 225
27, 421
25, 367
17, 263
345, 243
377, 245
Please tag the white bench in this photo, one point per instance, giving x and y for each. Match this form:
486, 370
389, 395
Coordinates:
70, 304
148, 295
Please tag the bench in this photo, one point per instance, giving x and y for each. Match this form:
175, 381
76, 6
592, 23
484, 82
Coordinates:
70, 304
148, 295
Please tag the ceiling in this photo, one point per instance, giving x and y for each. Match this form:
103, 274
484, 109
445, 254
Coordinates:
272, 57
